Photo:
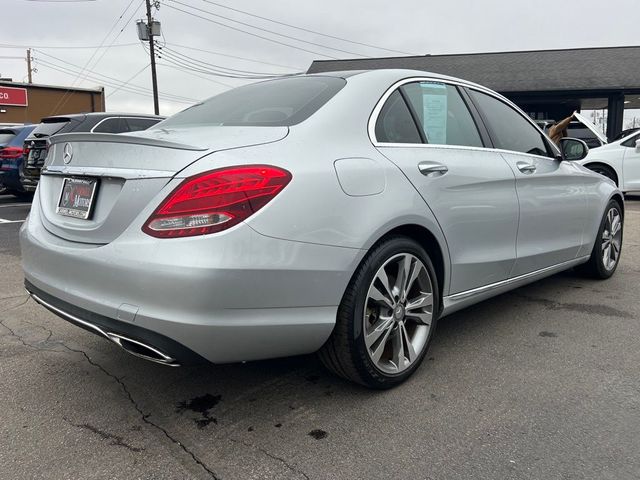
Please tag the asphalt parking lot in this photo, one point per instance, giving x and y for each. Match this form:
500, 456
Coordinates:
540, 383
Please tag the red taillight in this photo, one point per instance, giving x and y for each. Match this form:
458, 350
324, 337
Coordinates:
11, 152
216, 200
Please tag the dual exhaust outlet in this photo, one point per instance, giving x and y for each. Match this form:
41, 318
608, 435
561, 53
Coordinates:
134, 347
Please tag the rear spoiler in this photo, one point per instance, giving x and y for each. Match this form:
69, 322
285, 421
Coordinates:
119, 138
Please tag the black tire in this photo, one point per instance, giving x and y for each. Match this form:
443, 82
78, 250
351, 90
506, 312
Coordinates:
595, 267
605, 171
345, 353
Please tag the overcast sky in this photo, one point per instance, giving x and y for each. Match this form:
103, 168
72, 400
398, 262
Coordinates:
412, 26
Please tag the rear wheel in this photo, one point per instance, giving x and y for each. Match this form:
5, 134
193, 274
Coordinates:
605, 171
605, 255
387, 316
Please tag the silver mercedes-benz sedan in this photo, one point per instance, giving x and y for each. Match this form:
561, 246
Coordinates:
343, 213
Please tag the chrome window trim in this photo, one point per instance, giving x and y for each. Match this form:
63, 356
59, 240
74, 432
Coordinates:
373, 118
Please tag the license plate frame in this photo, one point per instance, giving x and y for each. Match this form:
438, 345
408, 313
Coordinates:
80, 199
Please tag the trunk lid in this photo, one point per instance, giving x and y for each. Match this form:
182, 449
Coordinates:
130, 170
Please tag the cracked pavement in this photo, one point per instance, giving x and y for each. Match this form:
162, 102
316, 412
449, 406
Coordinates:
540, 383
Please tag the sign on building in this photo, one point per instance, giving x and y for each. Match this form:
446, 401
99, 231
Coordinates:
16, 97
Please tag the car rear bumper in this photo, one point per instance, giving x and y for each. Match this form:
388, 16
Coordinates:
230, 297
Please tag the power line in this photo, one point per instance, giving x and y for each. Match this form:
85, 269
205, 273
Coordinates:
112, 80
267, 30
189, 64
70, 72
130, 79
180, 69
232, 56
304, 29
220, 67
47, 47
62, 101
250, 33
95, 64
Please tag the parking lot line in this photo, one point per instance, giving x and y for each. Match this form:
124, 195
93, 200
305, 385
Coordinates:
2, 220
15, 205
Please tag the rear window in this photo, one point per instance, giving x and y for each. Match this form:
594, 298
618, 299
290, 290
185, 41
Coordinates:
6, 136
46, 129
281, 102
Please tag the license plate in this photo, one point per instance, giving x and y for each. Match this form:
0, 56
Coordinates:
76, 197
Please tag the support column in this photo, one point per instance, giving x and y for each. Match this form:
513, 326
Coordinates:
615, 114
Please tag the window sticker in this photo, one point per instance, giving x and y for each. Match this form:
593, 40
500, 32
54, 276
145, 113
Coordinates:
434, 104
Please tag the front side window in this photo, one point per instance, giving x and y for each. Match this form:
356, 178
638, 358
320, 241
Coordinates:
631, 142
395, 124
509, 129
442, 114
137, 124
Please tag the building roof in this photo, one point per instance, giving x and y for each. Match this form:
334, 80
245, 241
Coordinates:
5, 83
607, 68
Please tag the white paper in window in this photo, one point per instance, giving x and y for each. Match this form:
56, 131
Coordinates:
434, 104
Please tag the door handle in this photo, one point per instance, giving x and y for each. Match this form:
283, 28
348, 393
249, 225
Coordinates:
525, 167
431, 169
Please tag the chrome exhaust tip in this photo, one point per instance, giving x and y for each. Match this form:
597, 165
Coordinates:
141, 350
129, 345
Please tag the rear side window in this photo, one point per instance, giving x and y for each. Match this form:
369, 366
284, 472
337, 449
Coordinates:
110, 125
395, 124
281, 102
442, 114
509, 129
137, 124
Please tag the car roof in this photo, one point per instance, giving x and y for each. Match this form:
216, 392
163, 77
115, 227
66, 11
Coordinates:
81, 116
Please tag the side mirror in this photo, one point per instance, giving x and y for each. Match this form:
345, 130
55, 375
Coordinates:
573, 149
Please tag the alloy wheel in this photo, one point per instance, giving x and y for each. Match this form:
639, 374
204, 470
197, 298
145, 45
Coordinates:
398, 313
611, 239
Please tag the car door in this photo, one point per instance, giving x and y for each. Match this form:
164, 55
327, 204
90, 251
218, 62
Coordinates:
631, 164
427, 130
553, 203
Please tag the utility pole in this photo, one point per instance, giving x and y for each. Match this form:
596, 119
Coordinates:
29, 70
154, 77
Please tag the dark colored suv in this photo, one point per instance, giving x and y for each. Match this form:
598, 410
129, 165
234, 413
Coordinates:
11, 157
36, 145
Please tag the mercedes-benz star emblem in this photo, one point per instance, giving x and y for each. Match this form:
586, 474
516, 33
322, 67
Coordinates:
67, 153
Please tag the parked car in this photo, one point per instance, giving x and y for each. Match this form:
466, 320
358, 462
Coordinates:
626, 133
11, 158
619, 161
581, 128
37, 143
343, 212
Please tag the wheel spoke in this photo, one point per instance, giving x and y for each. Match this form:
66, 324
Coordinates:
380, 328
607, 256
377, 296
384, 279
404, 266
398, 356
616, 225
379, 350
420, 317
423, 301
411, 353
415, 272
616, 247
